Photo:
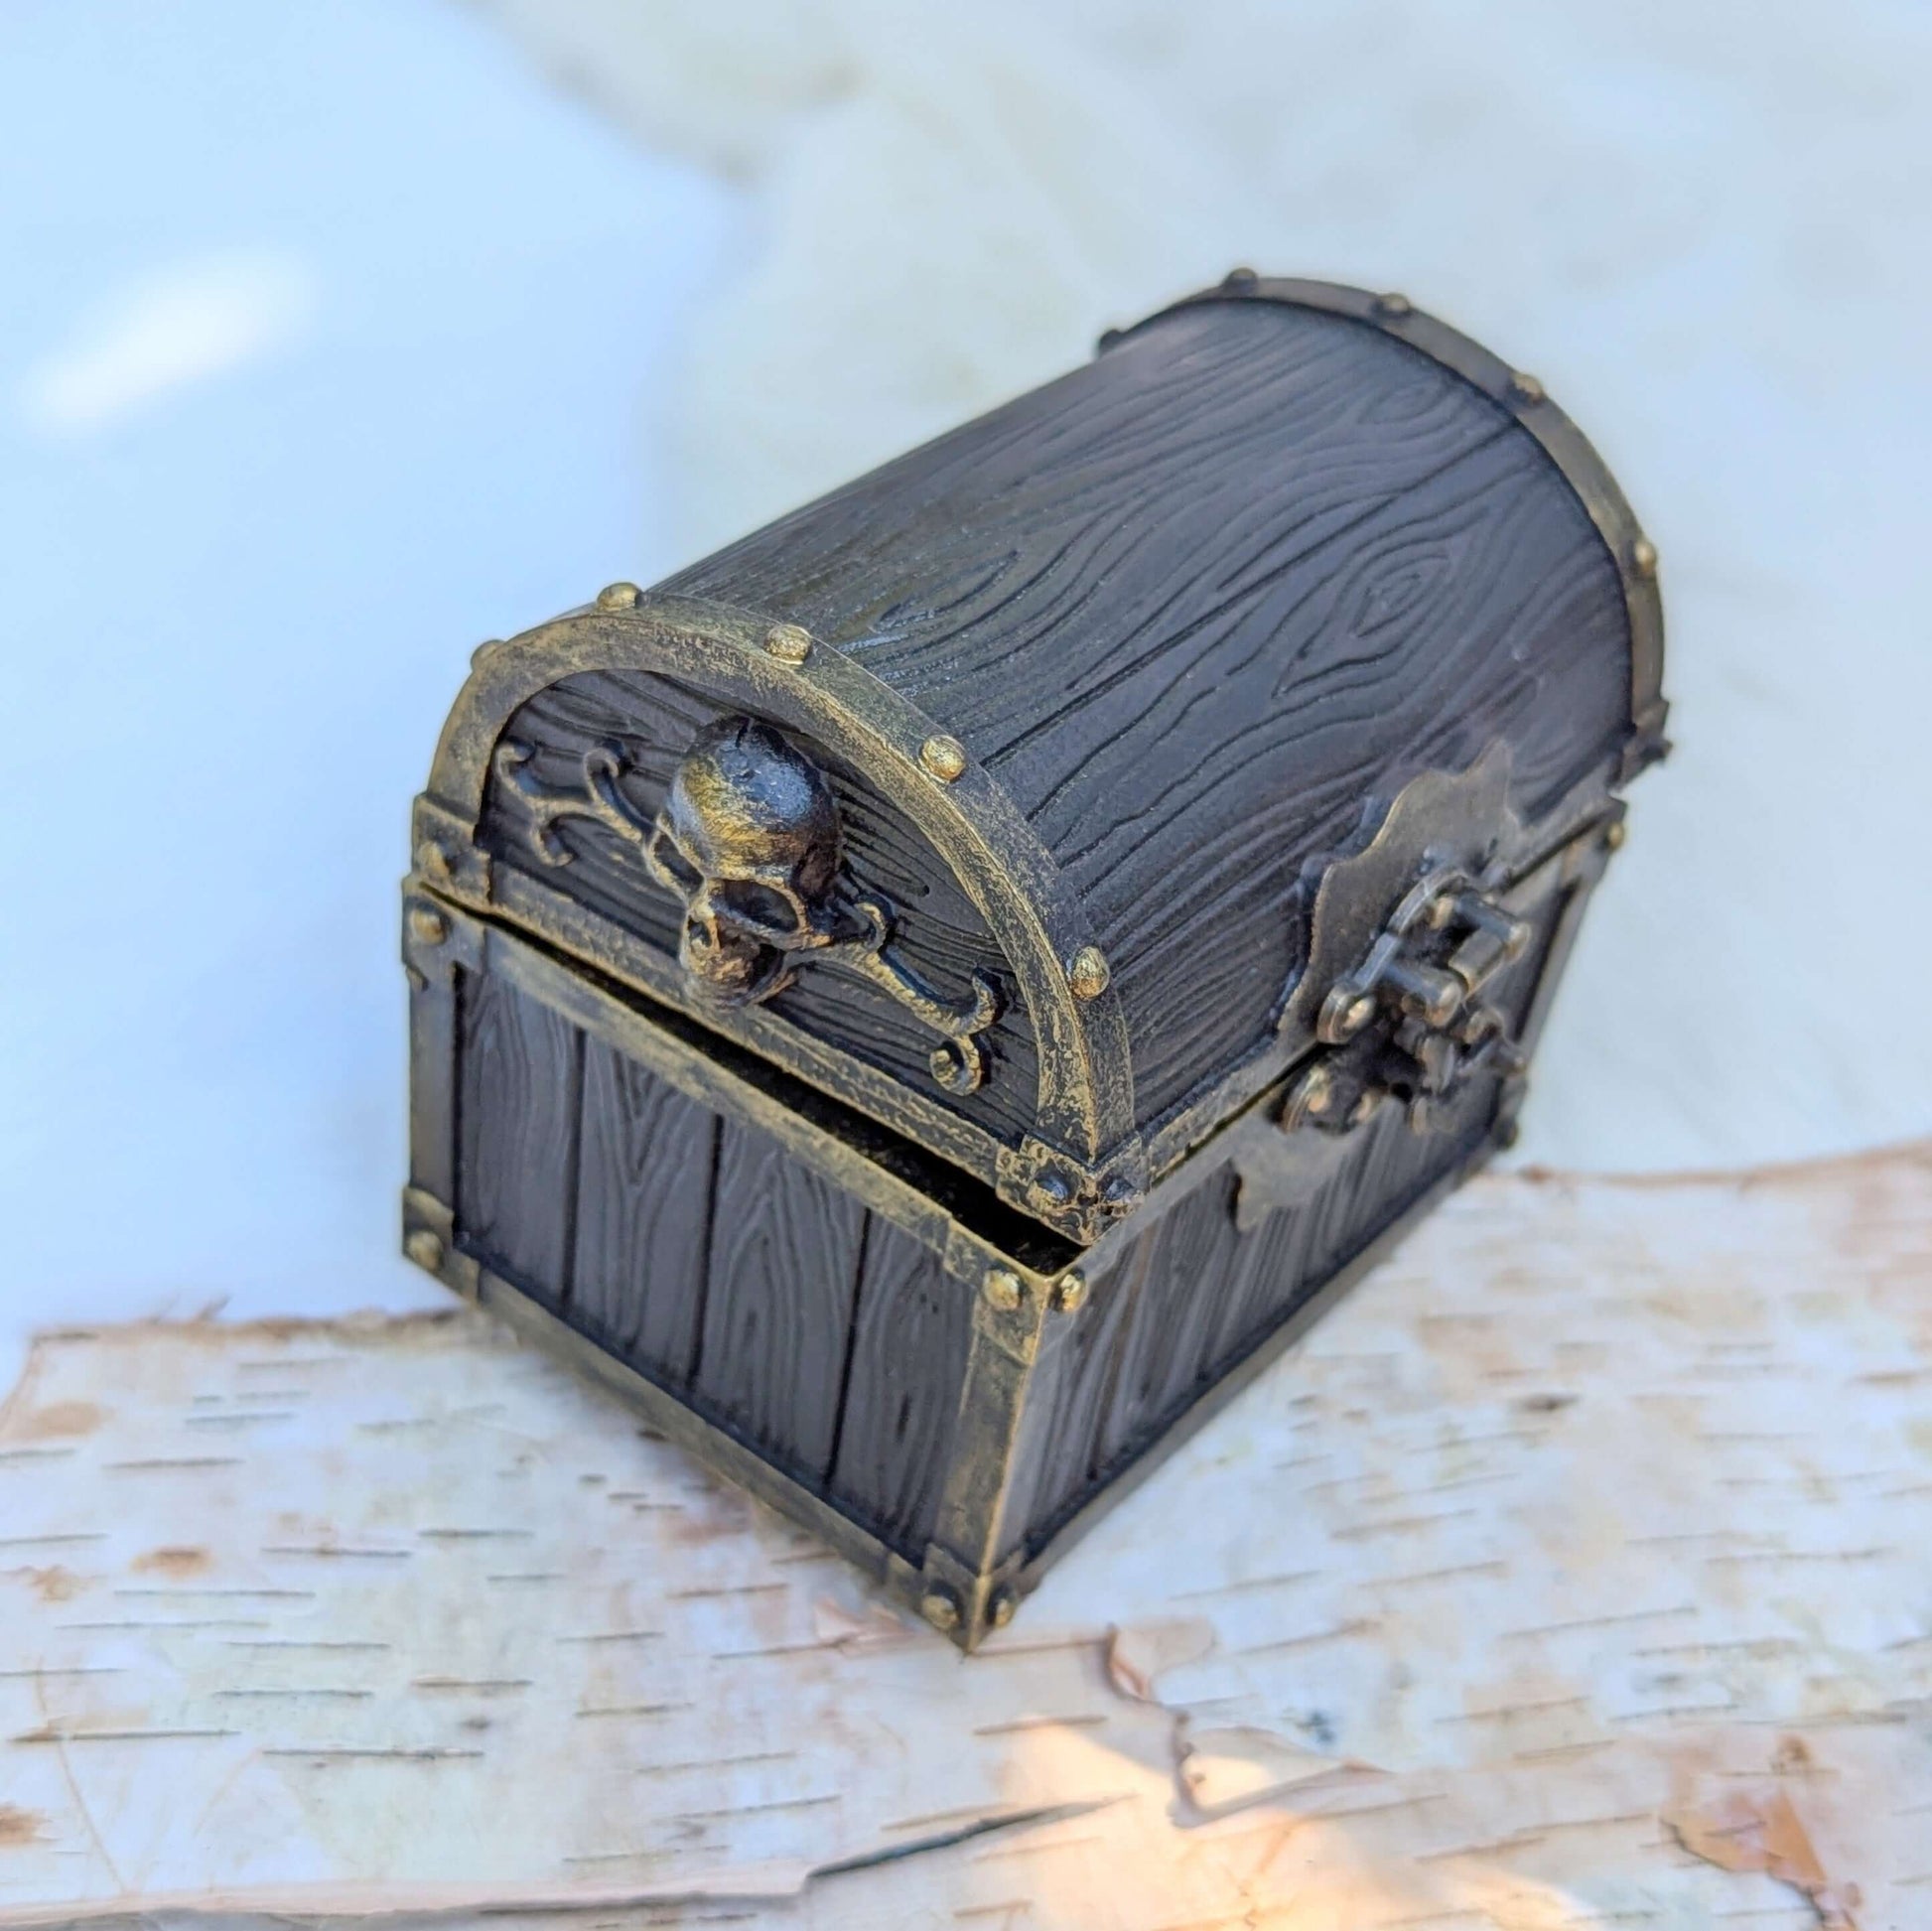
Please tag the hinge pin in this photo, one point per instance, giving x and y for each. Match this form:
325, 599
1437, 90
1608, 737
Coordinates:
1003, 1290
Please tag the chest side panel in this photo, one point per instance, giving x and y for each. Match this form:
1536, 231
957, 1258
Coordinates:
699, 1251
1207, 1284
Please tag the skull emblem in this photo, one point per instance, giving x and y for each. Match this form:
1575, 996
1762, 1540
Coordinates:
749, 839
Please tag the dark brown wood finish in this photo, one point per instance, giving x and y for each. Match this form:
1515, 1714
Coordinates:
1294, 638
786, 1249
902, 1386
939, 930
643, 1216
1199, 603
1195, 1294
516, 1111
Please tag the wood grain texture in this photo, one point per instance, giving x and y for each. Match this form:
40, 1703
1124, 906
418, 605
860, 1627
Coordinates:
1193, 1264
1195, 1296
1195, 606
939, 930
643, 1216
909, 1341
516, 1124
786, 1249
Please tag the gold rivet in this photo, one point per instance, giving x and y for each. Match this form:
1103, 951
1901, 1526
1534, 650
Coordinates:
1615, 835
1356, 1014
425, 1247
619, 596
1002, 1289
1644, 556
1070, 1292
434, 859
939, 1609
1392, 304
1525, 388
428, 924
1319, 1090
998, 1612
790, 643
1089, 972
944, 757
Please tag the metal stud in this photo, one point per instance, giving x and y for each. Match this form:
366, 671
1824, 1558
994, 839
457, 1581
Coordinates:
998, 1612
1525, 388
1643, 558
1002, 1289
1394, 305
1070, 1292
790, 643
425, 1247
1089, 972
428, 925
943, 757
619, 596
941, 1608
1614, 834
1240, 280
1317, 1092
434, 861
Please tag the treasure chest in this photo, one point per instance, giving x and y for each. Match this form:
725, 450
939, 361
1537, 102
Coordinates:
929, 1000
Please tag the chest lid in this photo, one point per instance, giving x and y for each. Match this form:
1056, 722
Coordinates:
994, 794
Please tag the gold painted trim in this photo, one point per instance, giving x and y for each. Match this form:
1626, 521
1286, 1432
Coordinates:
850, 1152
1524, 399
1085, 1102
721, 1452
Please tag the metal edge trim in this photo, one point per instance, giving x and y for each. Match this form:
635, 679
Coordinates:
1219, 1394
719, 1450
1251, 1083
1085, 1102
1523, 398
967, 1251
621, 955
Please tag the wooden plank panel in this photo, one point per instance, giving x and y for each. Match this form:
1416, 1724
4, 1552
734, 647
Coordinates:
786, 1251
643, 1215
1066, 1406
518, 1128
909, 1345
1190, 1270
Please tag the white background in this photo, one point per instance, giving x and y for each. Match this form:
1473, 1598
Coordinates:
336, 340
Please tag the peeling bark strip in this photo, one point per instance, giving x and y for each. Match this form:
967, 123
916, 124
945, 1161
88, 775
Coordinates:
1761, 1831
1552, 1696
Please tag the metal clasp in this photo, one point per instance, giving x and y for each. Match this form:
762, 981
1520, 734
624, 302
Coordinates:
1410, 1022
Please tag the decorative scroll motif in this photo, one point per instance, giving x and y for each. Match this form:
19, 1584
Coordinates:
748, 841
1410, 1021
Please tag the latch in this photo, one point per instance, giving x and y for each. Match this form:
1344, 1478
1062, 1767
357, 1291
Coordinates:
1410, 1022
